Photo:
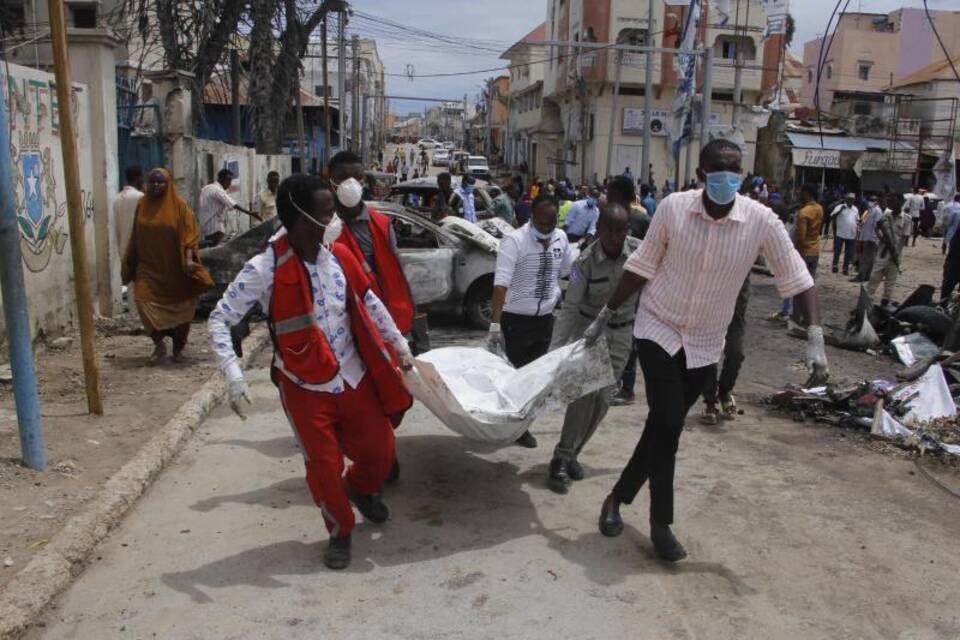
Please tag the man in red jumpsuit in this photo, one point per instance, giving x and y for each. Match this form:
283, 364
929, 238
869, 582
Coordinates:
369, 236
336, 356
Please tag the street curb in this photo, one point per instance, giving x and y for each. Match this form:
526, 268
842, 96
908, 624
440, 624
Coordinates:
52, 570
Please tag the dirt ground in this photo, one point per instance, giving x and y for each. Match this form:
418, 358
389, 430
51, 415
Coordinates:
83, 451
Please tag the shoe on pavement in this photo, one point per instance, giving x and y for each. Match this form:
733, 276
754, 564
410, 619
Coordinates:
778, 317
557, 476
527, 440
728, 407
337, 554
622, 398
371, 506
846, 271
835, 270
611, 524
575, 470
710, 415
665, 544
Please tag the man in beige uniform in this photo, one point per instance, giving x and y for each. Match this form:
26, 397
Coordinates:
592, 280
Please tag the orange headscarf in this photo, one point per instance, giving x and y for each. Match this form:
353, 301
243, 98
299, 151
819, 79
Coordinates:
156, 258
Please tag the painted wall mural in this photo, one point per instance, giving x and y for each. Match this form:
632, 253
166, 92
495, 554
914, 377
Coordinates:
39, 191
37, 170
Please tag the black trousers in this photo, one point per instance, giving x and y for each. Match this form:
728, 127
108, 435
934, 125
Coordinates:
672, 389
526, 338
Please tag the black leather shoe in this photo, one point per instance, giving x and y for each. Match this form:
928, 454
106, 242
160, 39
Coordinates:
371, 506
527, 440
337, 555
666, 544
575, 470
394, 476
611, 524
557, 478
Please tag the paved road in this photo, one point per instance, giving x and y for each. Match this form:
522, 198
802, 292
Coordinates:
792, 533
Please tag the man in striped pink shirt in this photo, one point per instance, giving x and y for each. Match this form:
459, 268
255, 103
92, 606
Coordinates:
689, 269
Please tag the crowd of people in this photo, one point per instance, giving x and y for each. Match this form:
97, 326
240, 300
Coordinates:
664, 281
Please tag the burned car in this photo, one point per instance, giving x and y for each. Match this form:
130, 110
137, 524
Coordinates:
420, 194
449, 266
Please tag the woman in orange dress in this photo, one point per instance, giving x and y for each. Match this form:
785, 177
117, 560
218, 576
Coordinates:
162, 260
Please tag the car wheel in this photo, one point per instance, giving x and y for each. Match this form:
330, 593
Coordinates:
478, 307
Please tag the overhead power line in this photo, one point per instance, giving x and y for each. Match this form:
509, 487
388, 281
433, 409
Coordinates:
946, 53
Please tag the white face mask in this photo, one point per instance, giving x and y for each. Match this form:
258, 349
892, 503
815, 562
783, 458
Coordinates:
350, 193
331, 230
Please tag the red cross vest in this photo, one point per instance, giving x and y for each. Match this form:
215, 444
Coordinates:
303, 347
386, 274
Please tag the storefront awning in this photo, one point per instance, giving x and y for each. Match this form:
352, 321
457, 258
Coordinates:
845, 143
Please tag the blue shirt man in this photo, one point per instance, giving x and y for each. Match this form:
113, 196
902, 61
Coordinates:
582, 218
869, 231
647, 200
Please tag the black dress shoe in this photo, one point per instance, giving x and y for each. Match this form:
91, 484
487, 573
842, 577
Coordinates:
371, 506
666, 544
527, 440
394, 476
337, 555
611, 524
557, 477
575, 470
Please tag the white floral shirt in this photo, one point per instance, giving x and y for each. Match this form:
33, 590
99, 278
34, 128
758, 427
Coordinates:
254, 284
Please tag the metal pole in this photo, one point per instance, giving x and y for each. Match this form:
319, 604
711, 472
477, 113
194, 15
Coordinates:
341, 71
647, 98
71, 171
355, 94
15, 311
235, 96
326, 92
300, 133
489, 136
613, 109
363, 132
706, 102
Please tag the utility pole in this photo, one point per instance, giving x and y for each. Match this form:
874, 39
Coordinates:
613, 110
487, 146
300, 128
647, 97
71, 171
328, 140
582, 90
15, 311
235, 96
355, 94
706, 103
466, 125
342, 71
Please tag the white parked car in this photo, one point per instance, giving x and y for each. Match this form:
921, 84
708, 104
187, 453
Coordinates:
478, 167
427, 143
440, 158
448, 145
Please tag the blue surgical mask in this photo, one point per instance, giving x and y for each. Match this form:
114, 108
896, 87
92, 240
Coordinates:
539, 235
722, 186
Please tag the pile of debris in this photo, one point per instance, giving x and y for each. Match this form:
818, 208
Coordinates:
917, 410
911, 331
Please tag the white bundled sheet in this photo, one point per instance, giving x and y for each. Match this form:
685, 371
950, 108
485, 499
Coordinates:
482, 397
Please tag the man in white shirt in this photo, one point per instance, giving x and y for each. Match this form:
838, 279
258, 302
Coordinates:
689, 270
215, 204
526, 288
125, 206
912, 205
268, 197
338, 383
846, 219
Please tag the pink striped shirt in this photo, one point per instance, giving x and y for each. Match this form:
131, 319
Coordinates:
695, 266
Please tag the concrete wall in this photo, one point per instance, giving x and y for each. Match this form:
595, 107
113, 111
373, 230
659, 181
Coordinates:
40, 193
250, 171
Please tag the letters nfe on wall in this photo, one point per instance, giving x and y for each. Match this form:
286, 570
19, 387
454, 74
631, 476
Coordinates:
39, 191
